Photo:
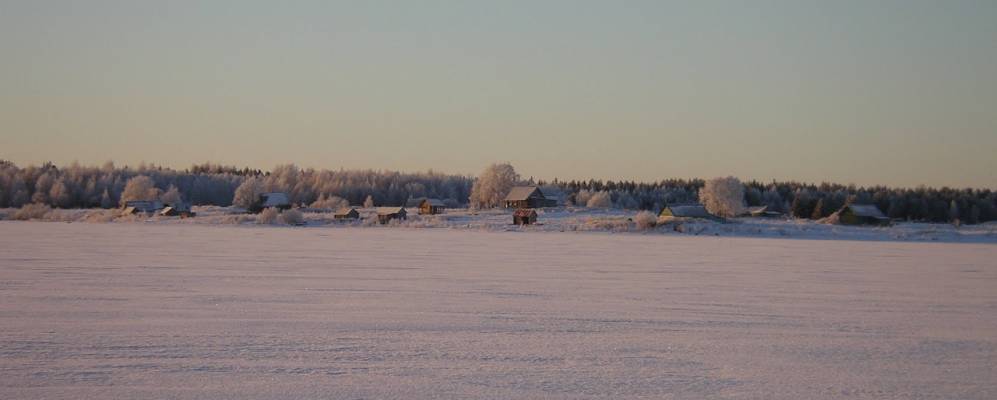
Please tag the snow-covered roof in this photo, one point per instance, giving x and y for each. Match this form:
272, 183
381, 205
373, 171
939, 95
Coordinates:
433, 203
866, 210
144, 205
757, 209
390, 210
275, 199
345, 211
520, 193
689, 211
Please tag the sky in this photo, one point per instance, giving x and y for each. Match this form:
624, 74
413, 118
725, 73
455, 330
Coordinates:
899, 93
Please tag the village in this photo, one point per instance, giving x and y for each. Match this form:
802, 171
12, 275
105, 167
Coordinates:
523, 201
528, 208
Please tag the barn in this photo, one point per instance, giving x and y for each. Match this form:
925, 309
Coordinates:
524, 216
686, 211
528, 197
267, 200
142, 206
431, 207
761, 212
859, 214
386, 214
347, 213
181, 209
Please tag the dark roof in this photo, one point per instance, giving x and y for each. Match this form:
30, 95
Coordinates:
521, 193
689, 211
432, 202
525, 212
866, 210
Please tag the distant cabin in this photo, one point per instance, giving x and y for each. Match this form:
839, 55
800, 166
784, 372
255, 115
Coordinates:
181, 210
431, 207
347, 213
386, 214
524, 216
270, 200
528, 197
142, 206
761, 212
686, 211
859, 214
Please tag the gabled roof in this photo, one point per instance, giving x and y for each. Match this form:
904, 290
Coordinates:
866, 210
432, 203
689, 211
345, 211
390, 210
520, 193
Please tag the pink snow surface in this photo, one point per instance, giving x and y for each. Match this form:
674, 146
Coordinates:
237, 312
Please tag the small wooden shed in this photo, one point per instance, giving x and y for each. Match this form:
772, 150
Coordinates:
859, 214
142, 207
686, 211
386, 214
524, 216
270, 200
347, 213
181, 210
431, 207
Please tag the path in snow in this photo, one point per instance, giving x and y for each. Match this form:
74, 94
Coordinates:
229, 312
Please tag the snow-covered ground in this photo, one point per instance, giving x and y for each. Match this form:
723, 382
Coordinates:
569, 220
185, 310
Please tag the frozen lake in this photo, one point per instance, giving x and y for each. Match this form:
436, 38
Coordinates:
244, 312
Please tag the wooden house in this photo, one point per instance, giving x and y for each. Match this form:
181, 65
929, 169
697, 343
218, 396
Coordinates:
142, 206
386, 214
527, 197
181, 210
431, 207
347, 213
859, 214
761, 212
524, 216
267, 200
686, 211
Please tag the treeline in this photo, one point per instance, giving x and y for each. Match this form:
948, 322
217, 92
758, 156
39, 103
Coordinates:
801, 200
77, 186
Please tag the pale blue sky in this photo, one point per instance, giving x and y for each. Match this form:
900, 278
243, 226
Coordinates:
867, 92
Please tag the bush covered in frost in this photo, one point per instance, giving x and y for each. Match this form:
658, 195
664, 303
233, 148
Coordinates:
292, 217
268, 216
32, 211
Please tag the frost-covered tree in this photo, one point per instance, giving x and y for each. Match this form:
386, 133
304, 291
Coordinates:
105, 200
248, 192
600, 199
369, 201
139, 188
330, 202
493, 185
723, 196
60, 195
172, 196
